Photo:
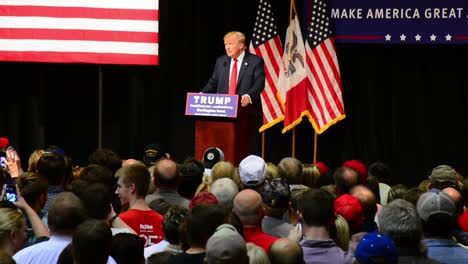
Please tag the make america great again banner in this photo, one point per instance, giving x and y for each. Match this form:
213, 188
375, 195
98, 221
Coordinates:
400, 21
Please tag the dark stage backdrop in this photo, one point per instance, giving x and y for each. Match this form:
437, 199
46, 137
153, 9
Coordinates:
405, 105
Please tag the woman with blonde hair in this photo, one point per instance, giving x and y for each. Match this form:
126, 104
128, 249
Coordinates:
310, 175
12, 231
222, 169
256, 254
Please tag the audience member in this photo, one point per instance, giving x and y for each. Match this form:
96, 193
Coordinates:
127, 249
160, 206
272, 171
359, 167
172, 221
225, 190
107, 158
290, 169
369, 207
252, 171
132, 187
51, 167
437, 212
375, 248
256, 254
341, 233
211, 156
191, 172
412, 195
400, 221
65, 214
310, 175
276, 197
350, 208
160, 258
248, 207
226, 246
317, 214
286, 251
91, 243
203, 198
152, 153
12, 231
6, 258
345, 179
443, 176
33, 158
396, 192
166, 181
198, 227
384, 177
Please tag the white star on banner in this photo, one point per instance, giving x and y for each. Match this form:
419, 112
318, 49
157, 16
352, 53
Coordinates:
448, 37
388, 37
417, 37
433, 37
402, 37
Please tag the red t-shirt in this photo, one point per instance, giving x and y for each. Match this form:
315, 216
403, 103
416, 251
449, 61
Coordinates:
147, 224
256, 236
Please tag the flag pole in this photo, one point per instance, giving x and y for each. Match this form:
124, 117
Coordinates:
293, 142
315, 146
263, 144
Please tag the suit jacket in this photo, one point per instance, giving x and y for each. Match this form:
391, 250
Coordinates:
251, 79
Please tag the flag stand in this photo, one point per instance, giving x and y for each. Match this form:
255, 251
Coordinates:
315, 147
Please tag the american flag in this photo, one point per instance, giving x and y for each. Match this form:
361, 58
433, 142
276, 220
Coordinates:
323, 71
267, 44
80, 31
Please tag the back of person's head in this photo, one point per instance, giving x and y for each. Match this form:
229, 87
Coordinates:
202, 198
345, 179
172, 221
350, 208
368, 201
272, 171
97, 173
376, 248
437, 212
399, 220
160, 205
224, 169
107, 158
91, 242
412, 195
191, 172
286, 251
359, 167
290, 169
443, 176
138, 175
397, 192
341, 233
374, 187
32, 187
33, 158
248, 207
65, 213
12, 225
310, 175
381, 171
276, 196
457, 199
226, 246
52, 167
127, 249
96, 200
202, 222
166, 174
225, 190
316, 208
256, 254
164, 257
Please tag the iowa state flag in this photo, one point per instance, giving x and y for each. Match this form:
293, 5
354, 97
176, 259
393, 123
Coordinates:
292, 82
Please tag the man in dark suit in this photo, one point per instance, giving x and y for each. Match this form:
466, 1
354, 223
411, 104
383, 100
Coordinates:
237, 72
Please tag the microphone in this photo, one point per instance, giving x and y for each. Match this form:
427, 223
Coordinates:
4, 142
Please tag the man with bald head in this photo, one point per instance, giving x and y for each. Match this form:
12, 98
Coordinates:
248, 207
369, 206
286, 251
166, 180
345, 179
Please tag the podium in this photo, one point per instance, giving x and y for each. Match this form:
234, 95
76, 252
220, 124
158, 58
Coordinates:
230, 134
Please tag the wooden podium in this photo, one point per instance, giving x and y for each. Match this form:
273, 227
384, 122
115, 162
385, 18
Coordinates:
231, 135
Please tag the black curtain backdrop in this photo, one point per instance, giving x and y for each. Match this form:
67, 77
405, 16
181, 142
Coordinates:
405, 105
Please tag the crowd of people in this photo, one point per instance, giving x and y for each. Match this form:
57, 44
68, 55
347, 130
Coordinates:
155, 210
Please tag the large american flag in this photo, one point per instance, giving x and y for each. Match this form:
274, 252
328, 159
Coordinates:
80, 31
323, 71
267, 44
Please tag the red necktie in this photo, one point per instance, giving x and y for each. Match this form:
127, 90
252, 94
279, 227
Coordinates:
233, 80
